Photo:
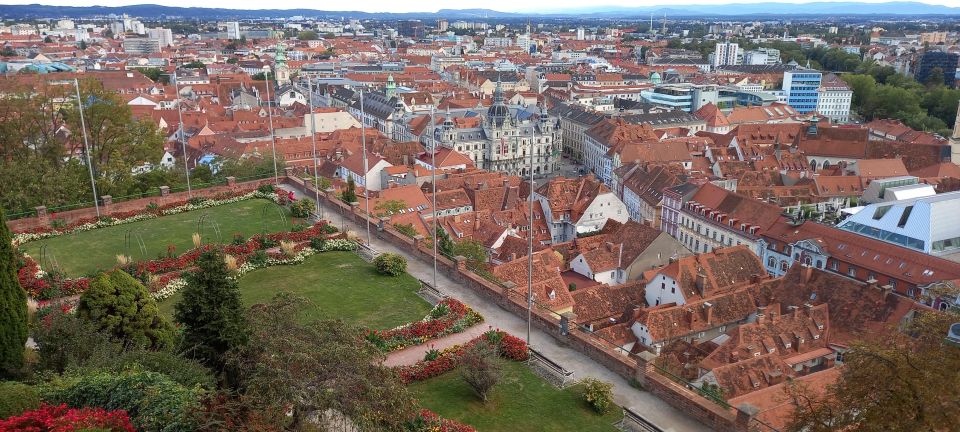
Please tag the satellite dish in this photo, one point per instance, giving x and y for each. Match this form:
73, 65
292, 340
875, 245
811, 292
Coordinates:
953, 334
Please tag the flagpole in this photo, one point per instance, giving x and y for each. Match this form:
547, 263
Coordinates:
366, 187
433, 181
273, 135
313, 139
530, 239
182, 133
86, 146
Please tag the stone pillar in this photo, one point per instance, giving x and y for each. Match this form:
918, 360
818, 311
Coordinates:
231, 181
330, 193
417, 241
354, 208
745, 415
568, 320
107, 204
382, 223
288, 171
461, 262
41, 212
164, 191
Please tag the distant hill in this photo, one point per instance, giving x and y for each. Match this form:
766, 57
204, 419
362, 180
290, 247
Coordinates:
691, 10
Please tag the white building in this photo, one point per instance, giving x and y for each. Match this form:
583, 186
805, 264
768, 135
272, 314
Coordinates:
725, 54
232, 29
574, 206
927, 224
834, 99
163, 35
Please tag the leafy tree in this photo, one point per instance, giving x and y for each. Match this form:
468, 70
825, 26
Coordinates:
389, 207
481, 368
64, 341
233, 60
83, 45
16, 398
107, 33
262, 76
303, 208
349, 194
444, 245
196, 64
935, 78
406, 229
13, 305
307, 35
210, 312
473, 251
48, 39
155, 74
295, 368
121, 306
390, 264
900, 382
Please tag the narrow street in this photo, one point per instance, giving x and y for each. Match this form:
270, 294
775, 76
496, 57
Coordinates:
650, 407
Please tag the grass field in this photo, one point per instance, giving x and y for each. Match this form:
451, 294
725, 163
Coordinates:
86, 252
521, 402
338, 285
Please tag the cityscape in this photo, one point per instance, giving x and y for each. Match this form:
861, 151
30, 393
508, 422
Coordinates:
736, 217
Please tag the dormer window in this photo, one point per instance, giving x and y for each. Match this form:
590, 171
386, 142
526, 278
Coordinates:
816, 336
787, 345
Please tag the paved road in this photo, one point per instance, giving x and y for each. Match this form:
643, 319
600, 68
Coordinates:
649, 406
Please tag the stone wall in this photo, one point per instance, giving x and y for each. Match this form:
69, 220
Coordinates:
109, 206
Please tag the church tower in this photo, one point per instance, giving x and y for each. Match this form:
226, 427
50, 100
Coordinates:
281, 70
391, 89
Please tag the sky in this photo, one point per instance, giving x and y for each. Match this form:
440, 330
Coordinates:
414, 5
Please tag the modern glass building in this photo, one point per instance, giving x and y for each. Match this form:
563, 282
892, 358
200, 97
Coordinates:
947, 62
801, 87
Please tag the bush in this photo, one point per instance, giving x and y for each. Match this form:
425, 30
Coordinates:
599, 394
300, 227
258, 258
238, 239
481, 369
390, 264
265, 188
61, 418
196, 200
302, 208
16, 398
328, 229
121, 306
154, 401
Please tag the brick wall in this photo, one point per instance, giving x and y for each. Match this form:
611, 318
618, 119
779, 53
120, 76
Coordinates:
140, 203
688, 401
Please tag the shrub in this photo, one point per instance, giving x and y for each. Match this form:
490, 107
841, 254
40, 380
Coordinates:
105, 219
238, 240
122, 307
317, 243
406, 229
267, 242
16, 398
258, 258
302, 208
300, 227
439, 311
481, 369
431, 354
599, 394
196, 200
265, 188
328, 229
390, 264
152, 206
60, 418
58, 223
153, 400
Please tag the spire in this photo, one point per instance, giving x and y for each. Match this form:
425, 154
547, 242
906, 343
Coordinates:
391, 89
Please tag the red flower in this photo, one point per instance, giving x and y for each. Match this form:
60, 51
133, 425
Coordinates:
60, 418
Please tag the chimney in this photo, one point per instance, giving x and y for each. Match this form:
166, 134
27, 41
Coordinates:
887, 291
734, 356
797, 341
760, 314
701, 284
754, 278
774, 378
406, 160
808, 307
807, 273
609, 246
691, 317
709, 307
872, 283
506, 182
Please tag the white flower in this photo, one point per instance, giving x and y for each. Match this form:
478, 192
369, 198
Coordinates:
172, 287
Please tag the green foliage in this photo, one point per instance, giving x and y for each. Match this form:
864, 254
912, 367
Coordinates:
156, 75
210, 312
431, 355
349, 194
599, 394
302, 208
154, 402
473, 251
16, 398
481, 368
320, 366
445, 246
328, 229
183, 371
390, 264
389, 207
265, 188
196, 64
307, 35
406, 229
121, 306
66, 341
439, 311
13, 306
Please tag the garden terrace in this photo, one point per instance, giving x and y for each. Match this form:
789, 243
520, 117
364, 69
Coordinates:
86, 252
339, 285
521, 402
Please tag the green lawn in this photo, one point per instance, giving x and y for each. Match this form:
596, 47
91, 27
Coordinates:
339, 285
521, 402
86, 252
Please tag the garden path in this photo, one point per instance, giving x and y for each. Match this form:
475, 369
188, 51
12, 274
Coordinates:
411, 355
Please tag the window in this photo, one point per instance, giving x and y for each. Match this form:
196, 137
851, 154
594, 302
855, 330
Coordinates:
673, 290
783, 265
852, 271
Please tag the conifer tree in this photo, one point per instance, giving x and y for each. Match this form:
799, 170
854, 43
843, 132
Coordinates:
13, 305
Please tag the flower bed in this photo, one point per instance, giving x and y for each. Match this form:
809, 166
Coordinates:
508, 346
429, 421
161, 274
447, 317
60, 418
149, 212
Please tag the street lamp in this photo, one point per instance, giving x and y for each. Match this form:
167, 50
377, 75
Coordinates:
182, 132
273, 135
313, 139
